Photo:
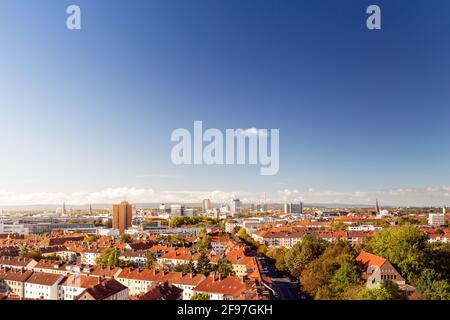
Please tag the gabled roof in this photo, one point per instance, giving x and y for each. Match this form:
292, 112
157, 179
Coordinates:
45, 279
230, 286
368, 259
103, 290
163, 291
14, 275
81, 281
15, 261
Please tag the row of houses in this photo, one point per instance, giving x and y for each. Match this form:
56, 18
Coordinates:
120, 284
290, 236
27, 284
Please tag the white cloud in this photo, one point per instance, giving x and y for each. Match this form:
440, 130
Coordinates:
436, 196
254, 132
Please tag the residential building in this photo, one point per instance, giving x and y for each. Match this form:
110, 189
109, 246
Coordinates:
17, 263
12, 281
43, 286
228, 288
109, 289
377, 270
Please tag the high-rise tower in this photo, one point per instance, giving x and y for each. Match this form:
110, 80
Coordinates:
122, 215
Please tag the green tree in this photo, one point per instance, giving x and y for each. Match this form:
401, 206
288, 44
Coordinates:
23, 251
203, 264
35, 254
346, 276
431, 285
374, 294
150, 261
320, 272
109, 257
440, 261
51, 257
113, 259
225, 268
405, 247
236, 230
278, 254
89, 239
200, 296
126, 238
125, 263
203, 243
185, 267
304, 252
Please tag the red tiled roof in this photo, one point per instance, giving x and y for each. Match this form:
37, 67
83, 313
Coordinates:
45, 279
103, 290
163, 291
230, 286
368, 259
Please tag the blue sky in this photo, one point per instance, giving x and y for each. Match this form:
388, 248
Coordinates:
87, 115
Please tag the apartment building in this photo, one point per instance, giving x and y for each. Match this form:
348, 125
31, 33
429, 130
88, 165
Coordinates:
12, 281
17, 263
228, 288
43, 286
109, 289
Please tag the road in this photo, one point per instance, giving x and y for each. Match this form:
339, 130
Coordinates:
284, 287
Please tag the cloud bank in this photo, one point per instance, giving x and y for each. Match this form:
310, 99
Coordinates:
431, 196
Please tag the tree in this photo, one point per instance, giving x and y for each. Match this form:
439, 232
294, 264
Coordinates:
203, 243
225, 268
440, 260
150, 260
113, 259
89, 239
243, 235
185, 267
126, 238
278, 255
346, 276
109, 257
200, 296
405, 247
51, 257
374, 294
304, 252
431, 285
22, 251
203, 264
35, 254
125, 263
320, 272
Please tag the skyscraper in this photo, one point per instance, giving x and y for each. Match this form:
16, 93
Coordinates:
235, 208
122, 215
293, 208
206, 205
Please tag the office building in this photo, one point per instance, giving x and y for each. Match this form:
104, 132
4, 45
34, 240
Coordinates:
436, 219
235, 208
122, 215
206, 205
